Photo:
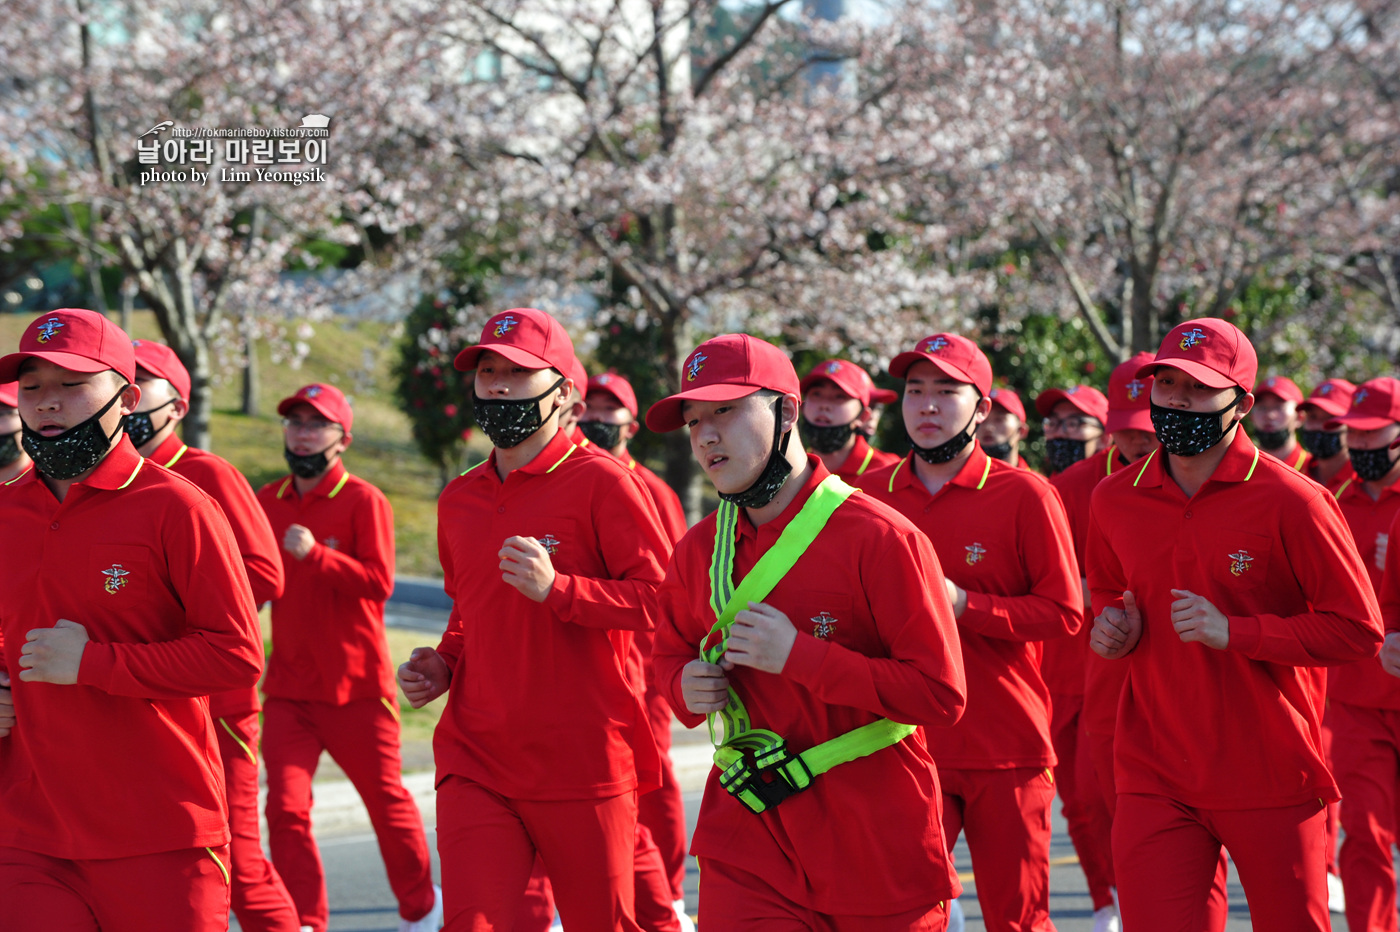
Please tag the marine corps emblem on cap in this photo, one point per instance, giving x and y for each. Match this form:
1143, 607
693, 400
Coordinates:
833, 367
116, 578
504, 325
1325, 389
975, 552
823, 626
550, 543
1192, 338
692, 369
935, 344
1360, 396
1240, 561
1135, 388
311, 391
48, 328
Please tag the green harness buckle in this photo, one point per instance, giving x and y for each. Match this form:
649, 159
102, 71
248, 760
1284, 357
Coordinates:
762, 778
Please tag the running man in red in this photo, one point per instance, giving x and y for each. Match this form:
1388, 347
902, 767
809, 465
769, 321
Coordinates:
1005, 429
260, 900
1073, 424
1365, 700
13, 460
126, 604
837, 397
1327, 447
330, 683
1005, 546
837, 628
1276, 421
1227, 581
552, 558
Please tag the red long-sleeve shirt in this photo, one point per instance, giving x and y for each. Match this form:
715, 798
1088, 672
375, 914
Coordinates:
668, 503
1364, 683
1001, 534
126, 761
328, 641
862, 460
261, 555
875, 639
1235, 728
541, 703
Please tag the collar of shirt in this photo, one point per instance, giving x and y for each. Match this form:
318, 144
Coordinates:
973, 474
169, 452
116, 470
559, 448
1353, 488
860, 451
775, 527
329, 486
1237, 465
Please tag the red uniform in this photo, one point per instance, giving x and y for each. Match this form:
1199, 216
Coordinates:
1000, 534
1207, 740
330, 686
542, 721
111, 794
1365, 706
863, 459
875, 639
260, 900
1064, 666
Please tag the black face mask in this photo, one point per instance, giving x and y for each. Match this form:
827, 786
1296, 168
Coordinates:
140, 428
998, 451
948, 449
1062, 453
774, 474
510, 422
602, 435
825, 439
1272, 439
1189, 433
1323, 444
1371, 465
9, 449
76, 450
308, 465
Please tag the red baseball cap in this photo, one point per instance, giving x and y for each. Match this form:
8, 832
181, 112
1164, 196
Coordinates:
1212, 351
610, 383
1009, 401
1085, 398
328, 400
160, 361
1331, 397
526, 337
851, 379
83, 341
1130, 397
727, 367
9, 394
956, 357
1280, 386
1374, 405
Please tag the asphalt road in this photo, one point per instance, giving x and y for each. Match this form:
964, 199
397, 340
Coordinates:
361, 901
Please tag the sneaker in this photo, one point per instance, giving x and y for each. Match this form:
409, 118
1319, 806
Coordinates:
1106, 920
307, 929
1336, 896
429, 923
687, 924
955, 916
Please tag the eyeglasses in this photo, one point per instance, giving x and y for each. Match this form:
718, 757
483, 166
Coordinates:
1073, 422
313, 426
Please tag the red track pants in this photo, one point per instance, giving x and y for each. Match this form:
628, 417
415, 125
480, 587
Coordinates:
186, 890
488, 845
734, 900
662, 810
260, 900
1081, 802
1167, 857
362, 736
1366, 761
1006, 815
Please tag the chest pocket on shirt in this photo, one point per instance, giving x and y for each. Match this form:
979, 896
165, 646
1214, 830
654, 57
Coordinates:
1238, 561
571, 550
827, 616
117, 572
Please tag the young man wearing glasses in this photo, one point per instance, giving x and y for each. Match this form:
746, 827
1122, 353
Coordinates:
332, 686
1073, 424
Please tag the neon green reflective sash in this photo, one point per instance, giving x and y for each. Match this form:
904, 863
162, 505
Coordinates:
756, 766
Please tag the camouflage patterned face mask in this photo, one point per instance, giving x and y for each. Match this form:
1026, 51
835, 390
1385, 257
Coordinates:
76, 450
1189, 433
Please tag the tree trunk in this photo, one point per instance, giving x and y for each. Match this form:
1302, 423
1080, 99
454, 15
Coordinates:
682, 474
196, 423
1146, 320
250, 369
128, 299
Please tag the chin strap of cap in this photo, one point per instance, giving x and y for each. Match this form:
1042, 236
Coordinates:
756, 765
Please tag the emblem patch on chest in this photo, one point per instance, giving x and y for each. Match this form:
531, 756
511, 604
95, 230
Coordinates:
823, 626
975, 552
332, 542
550, 543
116, 578
1239, 562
